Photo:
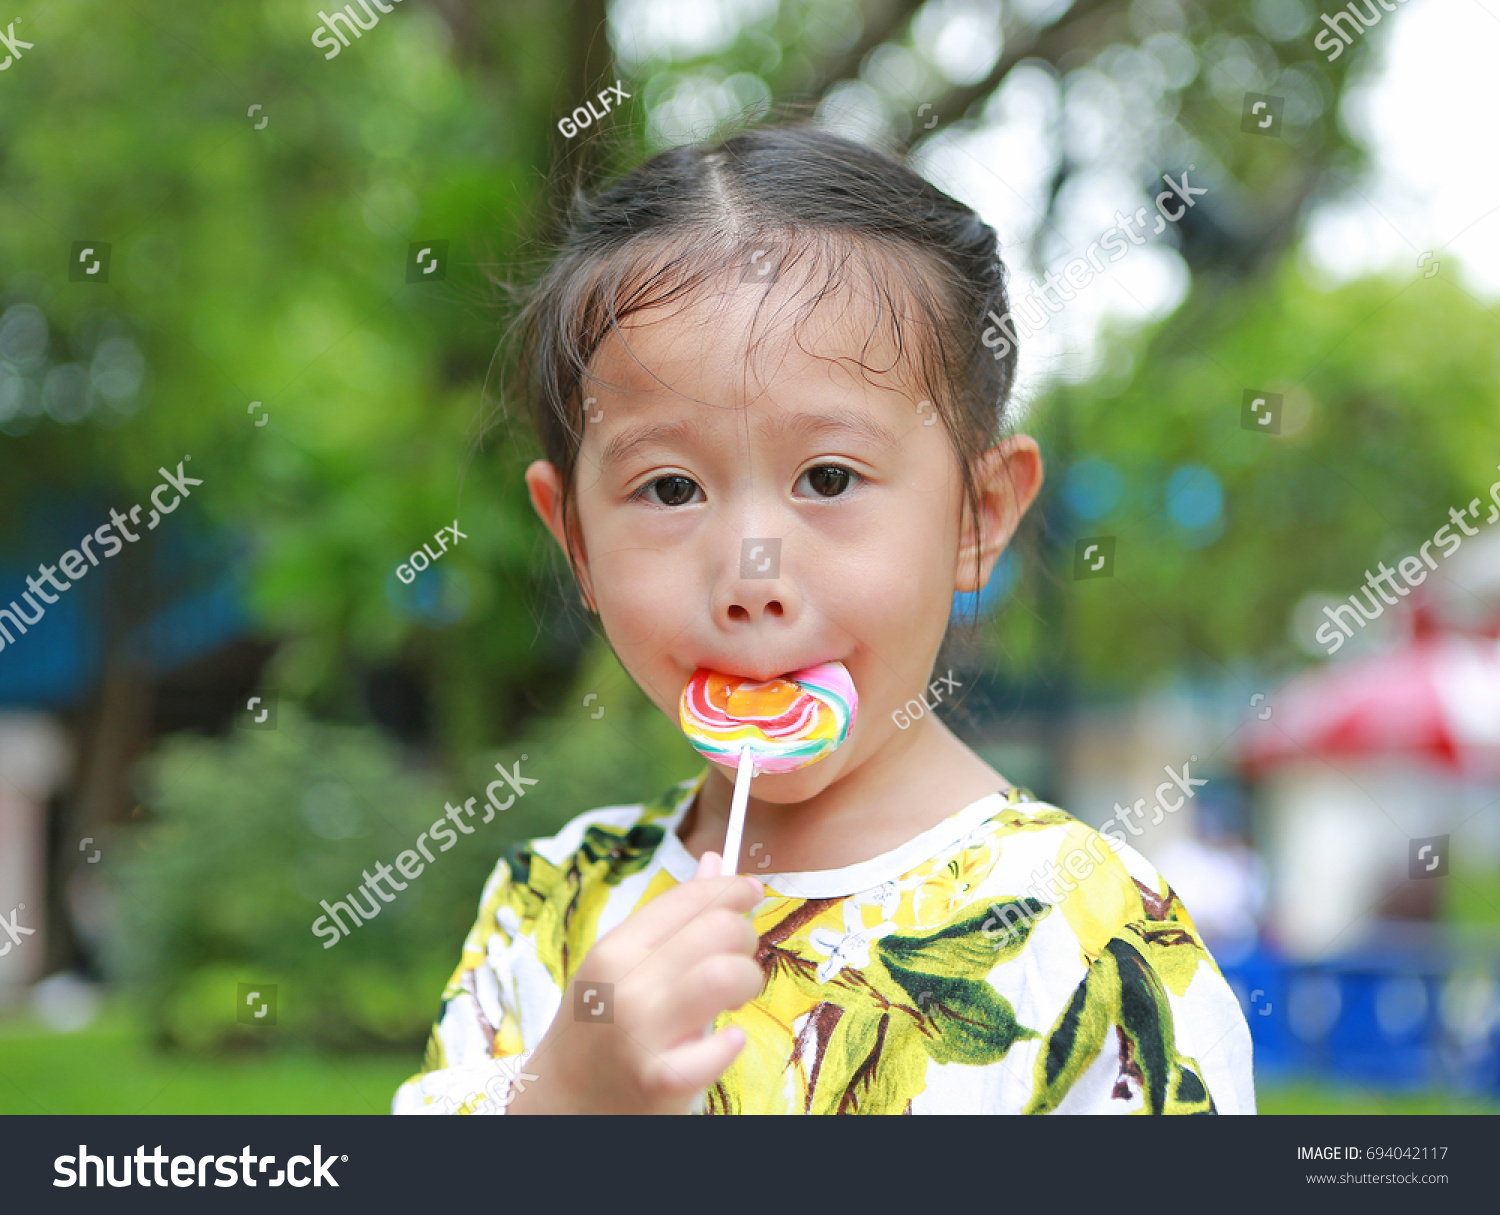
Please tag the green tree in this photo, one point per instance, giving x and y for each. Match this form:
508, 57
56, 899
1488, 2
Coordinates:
1378, 440
261, 202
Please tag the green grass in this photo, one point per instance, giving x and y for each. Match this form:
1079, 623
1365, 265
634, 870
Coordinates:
1314, 1098
109, 1069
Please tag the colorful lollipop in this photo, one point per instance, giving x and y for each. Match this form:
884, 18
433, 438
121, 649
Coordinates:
774, 726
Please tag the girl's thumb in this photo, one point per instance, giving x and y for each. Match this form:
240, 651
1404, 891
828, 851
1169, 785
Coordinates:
710, 865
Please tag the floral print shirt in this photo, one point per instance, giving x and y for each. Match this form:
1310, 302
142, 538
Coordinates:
941, 977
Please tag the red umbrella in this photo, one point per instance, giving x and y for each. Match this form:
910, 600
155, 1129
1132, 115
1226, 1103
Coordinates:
1435, 696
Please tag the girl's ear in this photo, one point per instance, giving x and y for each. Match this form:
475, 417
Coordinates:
545, 487
1006, 482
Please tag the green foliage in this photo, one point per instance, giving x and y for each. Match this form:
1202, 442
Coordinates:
268, 265
265, 263
1391, 402
248, 835
261, 259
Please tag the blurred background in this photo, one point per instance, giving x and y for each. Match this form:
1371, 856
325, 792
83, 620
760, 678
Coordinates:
265, 247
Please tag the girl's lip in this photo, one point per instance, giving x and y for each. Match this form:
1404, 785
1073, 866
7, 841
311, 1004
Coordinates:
782, 674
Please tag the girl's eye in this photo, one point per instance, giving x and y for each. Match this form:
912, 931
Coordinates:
828, 480
670, 491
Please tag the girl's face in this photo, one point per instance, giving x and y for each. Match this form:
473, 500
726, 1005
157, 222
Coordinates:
756, 515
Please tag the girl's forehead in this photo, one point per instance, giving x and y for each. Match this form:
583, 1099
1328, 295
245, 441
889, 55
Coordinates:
731, 343
716, 368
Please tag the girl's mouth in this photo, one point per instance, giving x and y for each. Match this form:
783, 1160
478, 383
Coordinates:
788, 673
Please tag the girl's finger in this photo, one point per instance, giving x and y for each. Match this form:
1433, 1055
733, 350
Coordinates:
680, 1010
716, 931
659, 919
710, 865
696, 1064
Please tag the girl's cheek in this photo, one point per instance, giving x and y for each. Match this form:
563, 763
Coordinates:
634, 630
647, 588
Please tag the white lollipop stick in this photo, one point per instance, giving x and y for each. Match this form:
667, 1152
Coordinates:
737, 808
731, 858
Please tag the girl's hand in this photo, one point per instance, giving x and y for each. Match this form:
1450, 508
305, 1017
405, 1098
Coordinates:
677, 963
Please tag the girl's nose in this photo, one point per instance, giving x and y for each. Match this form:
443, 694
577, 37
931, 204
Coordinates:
754, 589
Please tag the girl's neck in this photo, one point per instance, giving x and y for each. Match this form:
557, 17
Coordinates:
887, 800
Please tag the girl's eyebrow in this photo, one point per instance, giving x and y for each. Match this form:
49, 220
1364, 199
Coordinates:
802, 425
816, 425
632, 438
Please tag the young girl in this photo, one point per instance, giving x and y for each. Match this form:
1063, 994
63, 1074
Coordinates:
770, 382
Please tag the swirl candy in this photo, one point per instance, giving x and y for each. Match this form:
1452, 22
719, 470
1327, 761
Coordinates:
785, 723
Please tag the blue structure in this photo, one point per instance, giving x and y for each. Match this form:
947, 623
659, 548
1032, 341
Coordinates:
1393, 1018
58, 660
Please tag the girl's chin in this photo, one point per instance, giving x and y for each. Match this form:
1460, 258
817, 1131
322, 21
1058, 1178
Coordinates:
794, 786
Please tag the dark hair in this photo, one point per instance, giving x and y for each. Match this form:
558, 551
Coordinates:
813, 199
